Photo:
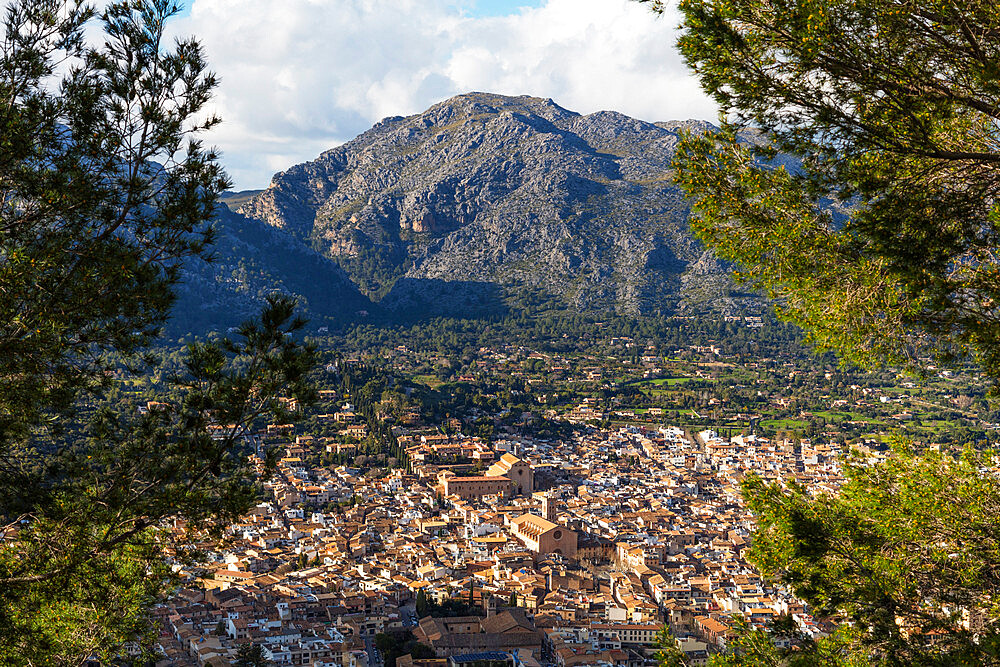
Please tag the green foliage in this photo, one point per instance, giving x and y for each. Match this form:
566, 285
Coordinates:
102, 196
393, 647
106, 191
89, 529
58, 618
753, 646
366, 385
668, 654
568, 333
452, 607
384, 642
906, 552
251, 655
422, 607
878, 235
375, 269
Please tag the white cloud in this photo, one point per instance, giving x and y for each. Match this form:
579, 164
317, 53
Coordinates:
300, 76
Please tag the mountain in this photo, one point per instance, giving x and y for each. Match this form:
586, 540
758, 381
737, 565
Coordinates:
252, 260
233, 200
484, 203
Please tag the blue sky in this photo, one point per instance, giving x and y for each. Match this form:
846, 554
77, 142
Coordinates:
481, 8
478, 8
301, 76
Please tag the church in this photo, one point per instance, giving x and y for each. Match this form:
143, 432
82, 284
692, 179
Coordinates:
517, 471
543, 535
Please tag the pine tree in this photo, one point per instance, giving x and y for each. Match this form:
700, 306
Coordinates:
251, 655
879, 237
422, 606
107, 191
855, 180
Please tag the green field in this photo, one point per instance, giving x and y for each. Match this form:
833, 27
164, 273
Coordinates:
660, 382
784, 424
431, 381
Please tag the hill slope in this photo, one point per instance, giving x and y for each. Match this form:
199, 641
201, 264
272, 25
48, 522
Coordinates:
252, 260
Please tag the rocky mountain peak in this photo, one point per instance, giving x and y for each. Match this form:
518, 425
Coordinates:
484, 198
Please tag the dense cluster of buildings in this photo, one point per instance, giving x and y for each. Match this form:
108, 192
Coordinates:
533, 552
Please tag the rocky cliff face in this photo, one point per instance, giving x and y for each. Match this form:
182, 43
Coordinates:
485, 200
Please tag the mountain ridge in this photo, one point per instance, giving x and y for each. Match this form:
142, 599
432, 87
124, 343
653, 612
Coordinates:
481, 205
513, 193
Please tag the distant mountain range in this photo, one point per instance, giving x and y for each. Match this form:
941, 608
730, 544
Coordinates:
482, 204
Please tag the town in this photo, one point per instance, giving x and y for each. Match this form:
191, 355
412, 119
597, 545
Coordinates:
406, 527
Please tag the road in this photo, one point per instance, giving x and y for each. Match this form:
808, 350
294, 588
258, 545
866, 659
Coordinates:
374, 657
